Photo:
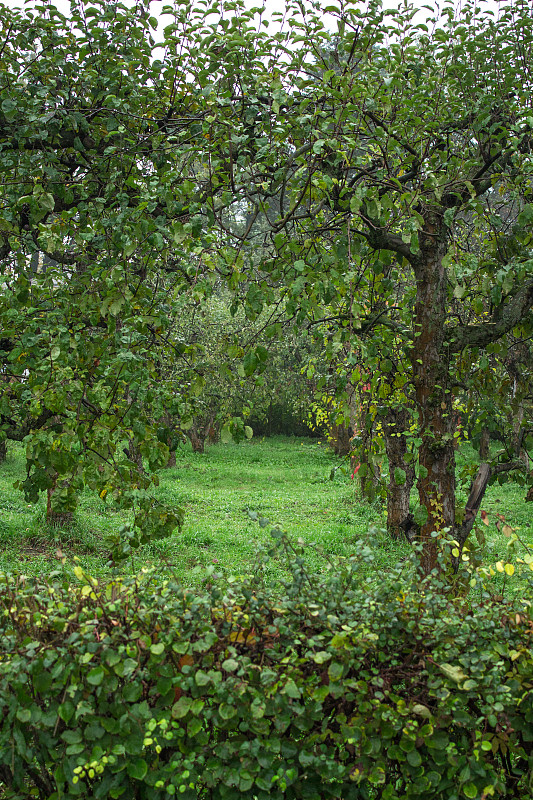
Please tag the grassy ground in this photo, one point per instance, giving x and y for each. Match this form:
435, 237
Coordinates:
284, 480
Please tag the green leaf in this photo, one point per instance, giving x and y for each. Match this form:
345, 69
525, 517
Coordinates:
227, 711
8, 105
157, 649
321, 657
46, 201
453, 672
181, 708
421, 710
470, 790
335, 671
96, 676
421, 515
132, 691
66, 710
194, 726
137, 768
526, 215
292, 690
250, 363
400, 476
201, 678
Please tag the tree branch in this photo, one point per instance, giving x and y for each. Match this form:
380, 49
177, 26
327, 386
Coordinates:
504, 319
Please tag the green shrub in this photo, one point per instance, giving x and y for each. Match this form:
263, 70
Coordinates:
333, 687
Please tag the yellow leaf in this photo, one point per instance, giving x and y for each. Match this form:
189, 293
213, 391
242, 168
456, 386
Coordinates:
78, 572
509, 568
103, 493
507, 530
499, 566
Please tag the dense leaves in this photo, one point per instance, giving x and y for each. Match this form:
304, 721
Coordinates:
335, 687
363, 173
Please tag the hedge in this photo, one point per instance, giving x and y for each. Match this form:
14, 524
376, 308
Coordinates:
334, 687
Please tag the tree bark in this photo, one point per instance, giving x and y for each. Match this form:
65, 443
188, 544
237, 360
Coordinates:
202, 432
197, 441
369, 477
135, 455
340, 439
398, 494
484, 444
430, 363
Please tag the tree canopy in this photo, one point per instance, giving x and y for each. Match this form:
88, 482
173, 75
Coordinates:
368, 172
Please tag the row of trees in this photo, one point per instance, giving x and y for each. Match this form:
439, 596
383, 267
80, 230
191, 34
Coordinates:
358, 174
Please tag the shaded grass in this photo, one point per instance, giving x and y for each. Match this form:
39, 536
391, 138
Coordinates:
285, 480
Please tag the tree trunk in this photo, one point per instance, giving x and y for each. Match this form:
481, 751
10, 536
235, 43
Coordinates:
197, 442
57, 518
135, 455
398, 494
3, 451
484, 444
518, 437
433, 397
368, 471
340, 439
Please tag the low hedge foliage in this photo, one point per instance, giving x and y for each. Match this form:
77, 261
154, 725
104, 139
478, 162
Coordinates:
334, 687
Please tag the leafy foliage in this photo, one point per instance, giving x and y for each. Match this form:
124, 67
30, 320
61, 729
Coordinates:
334, 687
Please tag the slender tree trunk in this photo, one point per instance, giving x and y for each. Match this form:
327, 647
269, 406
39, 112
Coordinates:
167, 421
398, 494
518, 436
369, 476
430, 368
3, 451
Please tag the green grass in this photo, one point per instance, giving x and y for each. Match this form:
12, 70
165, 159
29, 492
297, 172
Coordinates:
285, 480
